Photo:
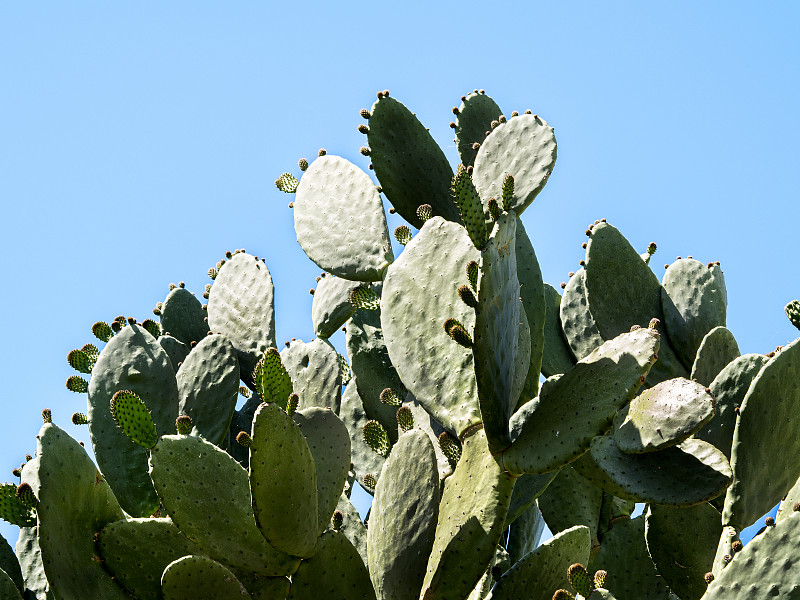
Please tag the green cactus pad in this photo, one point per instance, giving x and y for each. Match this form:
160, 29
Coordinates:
271, 380
208, 387
403, 518
663, 416
402, 234
766, 567
729, 389
213, 511
8, 587
580, 580
524, 147
153, 327
470, 207
364, 297
287, 183
12, 509
241, 307
471, 517
419, 293
527, 489
622, 291
75, 503
497, 339
339, 220
689, 473
535, 304
544, 570
197, 576
132, 360
30, 560
375, 437
176, 350
474, 119
630, 572
102, 331
525, 532
329, 442
10, 565
768, 419
581, 404
77, 384
352, 414
316, 373
557, 357
283, 482
335, 572
134, 418
136, 552
717, 350
405, 420
579, 327
571, 500
80, 361
409, 163
788, 503
693, 302
183, 316
331, 306
682, 543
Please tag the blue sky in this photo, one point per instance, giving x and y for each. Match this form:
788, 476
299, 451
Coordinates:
139, 141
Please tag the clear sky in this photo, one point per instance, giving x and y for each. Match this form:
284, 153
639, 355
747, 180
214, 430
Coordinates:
139, 141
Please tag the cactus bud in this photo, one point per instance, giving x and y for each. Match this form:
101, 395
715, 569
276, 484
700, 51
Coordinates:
402, 234
243, 391
476, 145
364, 113
322, 152
450, 448
102, 331
291, 404
424, 212
654, 323
737, 546
243, 439
508, 191
405, 418
472, 274
563, 595
727, 558
494, 209
514, 113
363, 128
580, 580
365, 297
47, 415
80, 361
793, 312
286, 183
152, 327
600, 578
369, 481
364, 151
184, 424
26, 495
79, 419
769, 522
16, 472
376, 438
303, 164
390, 397
77, 384
337, 520
458, 332
467, 297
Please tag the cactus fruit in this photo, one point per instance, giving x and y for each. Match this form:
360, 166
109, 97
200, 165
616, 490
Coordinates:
793, 312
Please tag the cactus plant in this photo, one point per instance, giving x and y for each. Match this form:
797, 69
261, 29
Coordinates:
437, 411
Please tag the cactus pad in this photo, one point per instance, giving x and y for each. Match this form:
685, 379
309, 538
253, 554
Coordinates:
133, 418
272, 381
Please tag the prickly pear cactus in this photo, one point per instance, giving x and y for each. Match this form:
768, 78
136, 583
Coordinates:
225, 467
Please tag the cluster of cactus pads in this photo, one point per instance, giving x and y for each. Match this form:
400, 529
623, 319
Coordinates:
437, 409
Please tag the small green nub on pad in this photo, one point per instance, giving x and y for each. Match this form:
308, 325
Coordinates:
365, 297
152, 327
600, 578
287, 183
102, 331
467, 297
472, 274
134, 418
494, 209
77, 384
184, 424
390, 397
243, 439
458, 332
424, 212
337, 520
26, 495
508, 191
303, 164
376, 438
793, 312
580, 580
79, 419
402, 234
450, 448
212, 272
405, 418
47, 415
291, 404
